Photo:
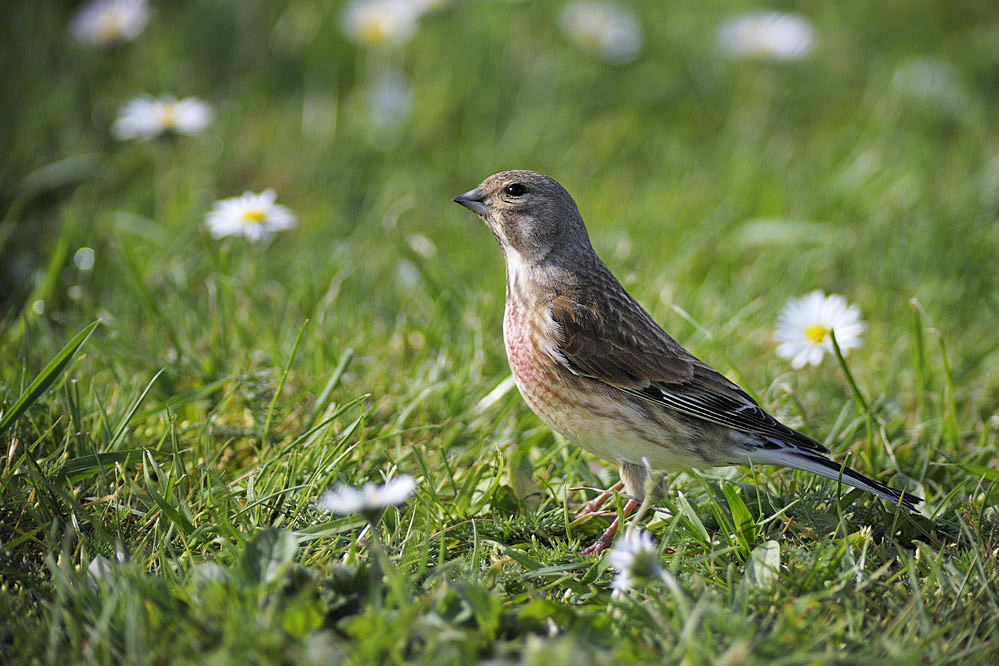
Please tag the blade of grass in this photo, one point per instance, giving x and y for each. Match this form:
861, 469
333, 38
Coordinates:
48, 375
80, 468
148, 302
322, 400
863, 406
173, 513
179, 400
127, 420
918, 357
50, 278
950, 411
280, 386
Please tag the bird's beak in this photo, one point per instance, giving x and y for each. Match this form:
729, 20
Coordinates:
473, 200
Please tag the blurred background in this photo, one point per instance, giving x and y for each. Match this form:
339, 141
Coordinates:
725, 159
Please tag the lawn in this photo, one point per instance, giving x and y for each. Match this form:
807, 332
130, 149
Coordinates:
174, 402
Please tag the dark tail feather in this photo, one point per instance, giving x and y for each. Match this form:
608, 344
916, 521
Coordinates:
818, 464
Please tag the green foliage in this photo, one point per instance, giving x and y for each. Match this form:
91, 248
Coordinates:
158, 472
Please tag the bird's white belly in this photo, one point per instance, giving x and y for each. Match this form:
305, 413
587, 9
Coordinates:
614, 433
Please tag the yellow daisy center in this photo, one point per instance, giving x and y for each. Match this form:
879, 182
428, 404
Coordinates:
816, 333
109, 26
760, 51
372, 31
253, 215
167, 114
589, 38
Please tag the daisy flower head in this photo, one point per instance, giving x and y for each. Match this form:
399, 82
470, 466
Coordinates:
763, 35
255, 216
146, 117
380, 22
367, 500
103, 22
636, 559
804, 325
604, 28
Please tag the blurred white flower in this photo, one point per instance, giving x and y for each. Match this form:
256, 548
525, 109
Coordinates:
408, 275
422, 245
344, 499
84, 258
255, 216
146, 117
380, 22
804, 324
389, 102
929, 79
763, 35
604, 28
99, 570
109, 21
636, 559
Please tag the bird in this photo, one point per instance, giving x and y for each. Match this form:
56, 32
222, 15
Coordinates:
595, 366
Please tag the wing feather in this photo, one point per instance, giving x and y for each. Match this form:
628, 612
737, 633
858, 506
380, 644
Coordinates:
616, 342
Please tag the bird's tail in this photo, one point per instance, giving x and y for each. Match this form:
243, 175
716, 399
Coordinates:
819, 464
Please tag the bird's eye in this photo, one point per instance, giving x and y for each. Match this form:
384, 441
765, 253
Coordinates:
515, 190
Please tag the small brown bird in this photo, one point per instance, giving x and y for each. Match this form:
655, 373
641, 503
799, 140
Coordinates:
595, 366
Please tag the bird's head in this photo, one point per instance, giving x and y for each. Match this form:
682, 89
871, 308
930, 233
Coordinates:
529, 213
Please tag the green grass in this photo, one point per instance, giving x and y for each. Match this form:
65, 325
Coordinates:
186, 439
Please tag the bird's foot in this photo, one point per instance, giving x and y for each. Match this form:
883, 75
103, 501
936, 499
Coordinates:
607, 538
602, 543
593, 506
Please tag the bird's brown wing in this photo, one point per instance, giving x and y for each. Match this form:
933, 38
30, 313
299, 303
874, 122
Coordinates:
616, 342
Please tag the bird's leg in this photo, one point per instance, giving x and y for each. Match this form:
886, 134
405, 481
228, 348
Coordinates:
594, 504
653, 491
639, 481
605, 540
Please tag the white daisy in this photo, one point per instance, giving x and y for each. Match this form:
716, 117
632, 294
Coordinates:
109, 21
380, 22
604, 28
636, 558
763, 35
804, 324
255, 216
344, 499
146, 117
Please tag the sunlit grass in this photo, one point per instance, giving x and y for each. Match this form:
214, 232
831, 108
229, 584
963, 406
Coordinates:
186, 437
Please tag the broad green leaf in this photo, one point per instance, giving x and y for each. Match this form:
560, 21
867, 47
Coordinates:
763, 565
267, 555
691, 520
744, 522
